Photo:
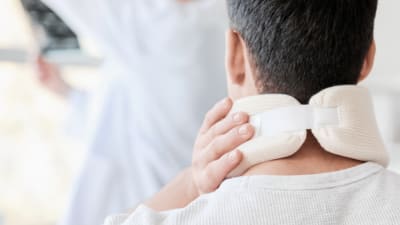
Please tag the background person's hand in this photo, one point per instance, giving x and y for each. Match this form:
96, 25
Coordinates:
50, 77
215, 154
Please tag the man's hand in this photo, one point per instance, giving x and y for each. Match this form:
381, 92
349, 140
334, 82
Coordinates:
215, 154
214, 157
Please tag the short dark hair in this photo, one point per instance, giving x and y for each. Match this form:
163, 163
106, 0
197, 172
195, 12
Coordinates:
300, 47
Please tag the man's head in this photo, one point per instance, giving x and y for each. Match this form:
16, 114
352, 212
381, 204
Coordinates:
298, 47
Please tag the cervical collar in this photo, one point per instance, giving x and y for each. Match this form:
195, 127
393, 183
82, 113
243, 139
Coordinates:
341, 118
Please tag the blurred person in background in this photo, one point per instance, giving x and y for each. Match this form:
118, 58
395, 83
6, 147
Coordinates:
159, 59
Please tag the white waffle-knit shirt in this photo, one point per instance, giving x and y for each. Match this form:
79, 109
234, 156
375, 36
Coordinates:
366, 194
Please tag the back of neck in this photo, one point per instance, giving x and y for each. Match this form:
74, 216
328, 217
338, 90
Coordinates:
310, 159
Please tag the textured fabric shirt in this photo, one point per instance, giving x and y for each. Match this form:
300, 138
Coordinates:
366, 194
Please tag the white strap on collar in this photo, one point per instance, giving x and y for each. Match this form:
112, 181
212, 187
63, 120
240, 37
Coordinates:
293, 118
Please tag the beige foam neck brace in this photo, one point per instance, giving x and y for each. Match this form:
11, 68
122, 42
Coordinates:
341, 118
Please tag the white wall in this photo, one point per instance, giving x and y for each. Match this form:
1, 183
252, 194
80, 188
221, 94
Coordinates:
386, 73
384, 81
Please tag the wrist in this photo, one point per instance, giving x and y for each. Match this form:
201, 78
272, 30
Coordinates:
192, 191
180, 192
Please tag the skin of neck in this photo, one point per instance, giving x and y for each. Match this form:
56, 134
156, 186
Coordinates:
310, 159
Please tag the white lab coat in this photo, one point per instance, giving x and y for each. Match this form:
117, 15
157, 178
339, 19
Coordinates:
163, 70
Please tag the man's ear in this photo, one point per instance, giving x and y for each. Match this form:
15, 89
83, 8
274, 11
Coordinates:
368, 62
235, 58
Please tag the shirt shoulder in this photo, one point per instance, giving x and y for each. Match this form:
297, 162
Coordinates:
387, 180
389, 183
145, 215
371, 200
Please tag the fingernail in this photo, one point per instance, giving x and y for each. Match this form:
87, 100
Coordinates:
237, 117
244, 130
